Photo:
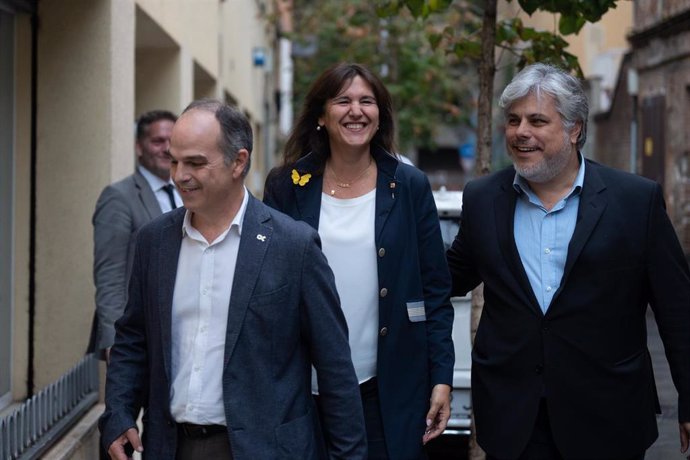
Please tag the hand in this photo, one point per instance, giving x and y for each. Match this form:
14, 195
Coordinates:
684, 436
117, 448
439, 412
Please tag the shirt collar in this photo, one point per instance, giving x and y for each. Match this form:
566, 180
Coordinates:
237, 221
155, 182
521, 186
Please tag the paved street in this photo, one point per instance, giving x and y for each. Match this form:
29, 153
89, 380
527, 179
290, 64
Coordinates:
666, 447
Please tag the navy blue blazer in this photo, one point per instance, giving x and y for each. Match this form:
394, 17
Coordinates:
587, 355
414, 353
284, 316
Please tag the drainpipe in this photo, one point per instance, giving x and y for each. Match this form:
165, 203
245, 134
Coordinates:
30, 372
285, 78
633, 86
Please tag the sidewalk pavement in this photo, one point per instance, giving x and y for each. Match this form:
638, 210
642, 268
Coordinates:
667, 446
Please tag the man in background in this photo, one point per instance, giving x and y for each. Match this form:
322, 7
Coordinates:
122, 208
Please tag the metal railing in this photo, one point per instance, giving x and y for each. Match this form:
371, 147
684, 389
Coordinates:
41, 420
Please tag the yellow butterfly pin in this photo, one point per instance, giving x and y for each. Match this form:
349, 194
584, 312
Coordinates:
301, 180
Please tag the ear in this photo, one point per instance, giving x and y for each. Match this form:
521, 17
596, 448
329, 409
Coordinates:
137, 149
575, 132
240, 163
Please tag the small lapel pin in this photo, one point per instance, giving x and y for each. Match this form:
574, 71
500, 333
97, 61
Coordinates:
261, 237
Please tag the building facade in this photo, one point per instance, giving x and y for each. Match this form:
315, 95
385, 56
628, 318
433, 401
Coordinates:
651, 107
661, 58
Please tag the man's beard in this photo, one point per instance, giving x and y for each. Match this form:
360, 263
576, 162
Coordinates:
548, 167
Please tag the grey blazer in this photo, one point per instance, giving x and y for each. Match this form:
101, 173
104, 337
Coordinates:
284, 316
121, 210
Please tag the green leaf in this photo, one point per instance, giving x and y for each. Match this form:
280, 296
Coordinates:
436, 6
530, 6
387, 9
507, 31
434, 39
416, 7
468, 49
570, 24
528, 33
567, 24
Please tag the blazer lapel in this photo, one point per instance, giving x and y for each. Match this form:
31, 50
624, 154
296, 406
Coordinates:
592, 205
147, 196
171, 238
504, 213
308, 196
387, 189
254, 242
309, 201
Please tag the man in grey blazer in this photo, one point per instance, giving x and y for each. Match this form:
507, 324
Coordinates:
230, 304
122, 208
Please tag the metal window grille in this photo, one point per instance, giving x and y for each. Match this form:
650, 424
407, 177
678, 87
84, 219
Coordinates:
41, 420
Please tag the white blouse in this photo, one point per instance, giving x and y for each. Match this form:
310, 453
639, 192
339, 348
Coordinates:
346, 228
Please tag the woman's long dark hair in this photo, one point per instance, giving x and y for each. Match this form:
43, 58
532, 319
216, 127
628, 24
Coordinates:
305, 138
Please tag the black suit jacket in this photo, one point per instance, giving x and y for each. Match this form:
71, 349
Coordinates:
587, 355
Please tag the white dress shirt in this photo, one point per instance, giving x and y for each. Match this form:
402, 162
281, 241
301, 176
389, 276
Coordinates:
205, 273
157, 184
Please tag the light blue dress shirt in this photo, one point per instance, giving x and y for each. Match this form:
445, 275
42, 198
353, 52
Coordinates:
542, 237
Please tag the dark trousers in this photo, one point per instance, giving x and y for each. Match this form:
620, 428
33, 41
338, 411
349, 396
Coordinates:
372, 420
541, 445
214, 446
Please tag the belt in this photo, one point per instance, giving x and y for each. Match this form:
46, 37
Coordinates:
369, 386
193, 431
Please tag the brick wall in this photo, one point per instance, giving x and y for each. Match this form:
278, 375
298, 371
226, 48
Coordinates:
612, 134
661, 55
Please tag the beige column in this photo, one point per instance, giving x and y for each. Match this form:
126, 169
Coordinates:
22, 203
84, 141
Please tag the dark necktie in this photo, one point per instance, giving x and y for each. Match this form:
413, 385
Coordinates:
169, 190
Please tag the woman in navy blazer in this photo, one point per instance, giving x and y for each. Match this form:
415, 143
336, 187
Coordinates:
380, 232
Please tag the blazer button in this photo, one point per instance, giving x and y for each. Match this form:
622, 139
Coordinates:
384, 331
383, 292
539, 369
382, 252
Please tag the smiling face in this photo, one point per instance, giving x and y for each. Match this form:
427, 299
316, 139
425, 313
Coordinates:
153, 147
351, 118
207, 185
536, 140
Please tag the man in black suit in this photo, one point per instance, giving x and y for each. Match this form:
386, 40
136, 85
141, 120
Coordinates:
570, 253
